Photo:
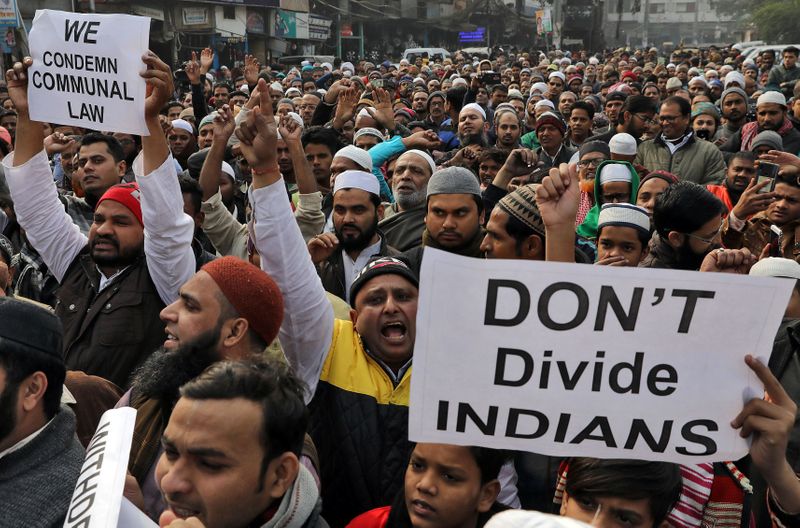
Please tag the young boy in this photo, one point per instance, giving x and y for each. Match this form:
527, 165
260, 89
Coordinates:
616, 182
623, 234
446, 486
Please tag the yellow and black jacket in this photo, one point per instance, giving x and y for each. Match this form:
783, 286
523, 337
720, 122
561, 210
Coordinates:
359, 423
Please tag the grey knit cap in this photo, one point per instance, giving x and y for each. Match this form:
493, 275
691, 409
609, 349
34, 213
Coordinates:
768, 138
732, 90
454, 180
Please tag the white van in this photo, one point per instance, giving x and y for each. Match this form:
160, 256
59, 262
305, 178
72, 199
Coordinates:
431, 54
777, 48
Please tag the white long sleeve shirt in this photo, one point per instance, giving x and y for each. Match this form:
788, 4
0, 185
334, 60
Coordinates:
168, 231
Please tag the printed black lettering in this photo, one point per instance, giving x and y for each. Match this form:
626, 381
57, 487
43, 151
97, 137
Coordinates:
512, 426
671, 376
605, 435
639, 429
691, 303
688, 434
543, 308
490, 316
626, 320
500, 367
465, 411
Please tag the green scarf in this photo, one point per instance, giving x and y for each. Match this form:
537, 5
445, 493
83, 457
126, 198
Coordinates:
588, 229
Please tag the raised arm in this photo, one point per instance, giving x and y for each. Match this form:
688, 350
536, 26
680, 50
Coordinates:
168, 231
307, 328
222, 130
309, 215
48, 227
557, 198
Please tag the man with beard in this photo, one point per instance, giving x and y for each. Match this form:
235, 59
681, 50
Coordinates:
452, 219
40, 456
782, 210
688, 221
358, 371
739, 192
508, 128
137, 254
182, 141
404, 220
733, 105
340, 255
771, 114
228, 310
633, 116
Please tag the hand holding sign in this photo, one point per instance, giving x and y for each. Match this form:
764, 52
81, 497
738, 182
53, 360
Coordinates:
17, 82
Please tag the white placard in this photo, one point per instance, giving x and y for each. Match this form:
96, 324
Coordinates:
578, 360
132, 517
98, 492
86, 70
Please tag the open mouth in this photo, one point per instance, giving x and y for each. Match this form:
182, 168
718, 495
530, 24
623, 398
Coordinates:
183, 513
394, 332
422, 508
171, 341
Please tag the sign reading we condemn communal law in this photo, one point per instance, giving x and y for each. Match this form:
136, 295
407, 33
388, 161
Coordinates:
97, 498
577, 360
86, 70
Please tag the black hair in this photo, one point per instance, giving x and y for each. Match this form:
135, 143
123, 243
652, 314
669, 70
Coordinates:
113, 145
237, 92
746, 155
635, 104
19, 363
489, 462
684, 105
191, 187
170, 104
273, 386
455, 96
658, 482
222, 84
495, 154
791, 49
499, 88
520, 233
322, 136
411, 125
586, 107
643, 237
685, 207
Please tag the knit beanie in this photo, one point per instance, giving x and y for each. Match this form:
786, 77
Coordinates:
251, 292
435, 94
706, 108
381, 266
589, 147
454, 180
521, 204
732, 90
30, 330
549, 118
768, 138
128, 195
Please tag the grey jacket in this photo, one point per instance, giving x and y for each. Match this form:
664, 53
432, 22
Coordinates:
37, 481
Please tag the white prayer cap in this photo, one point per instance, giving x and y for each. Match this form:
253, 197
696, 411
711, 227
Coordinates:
594, 61
359, 156
423, 155
327, 65
356, 179
475, 107
293, 92
368, 131
626, 215
363, 113
614, 172
557, 74
296, 117
766, 98
698, 80
544, 102
734, 77
459, 81
276, 86
348, 66
539, 87
622, 143
305, 63
404, 62
182, 124
776, 267
227, 169
531, 519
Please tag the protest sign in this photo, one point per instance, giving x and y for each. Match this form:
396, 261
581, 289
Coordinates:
569, 359
132, 517
98, 492
86, 70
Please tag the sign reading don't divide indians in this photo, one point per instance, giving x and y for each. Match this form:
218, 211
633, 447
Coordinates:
576, 360
86, 70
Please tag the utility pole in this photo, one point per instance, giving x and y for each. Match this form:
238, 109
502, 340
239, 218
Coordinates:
645, 36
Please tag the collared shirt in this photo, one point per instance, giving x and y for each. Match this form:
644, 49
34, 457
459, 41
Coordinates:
105, 281
674, 145
25, 441
352, 267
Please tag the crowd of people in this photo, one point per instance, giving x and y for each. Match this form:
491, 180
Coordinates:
246, 277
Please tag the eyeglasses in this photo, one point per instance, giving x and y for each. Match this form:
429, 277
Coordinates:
591, 162
668, 119
708, 241
646, 120
616, 198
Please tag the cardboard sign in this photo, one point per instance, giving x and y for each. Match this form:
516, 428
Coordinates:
86, 70
98, 492
578, 360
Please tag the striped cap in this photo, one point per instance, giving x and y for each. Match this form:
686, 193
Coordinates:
521, 204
